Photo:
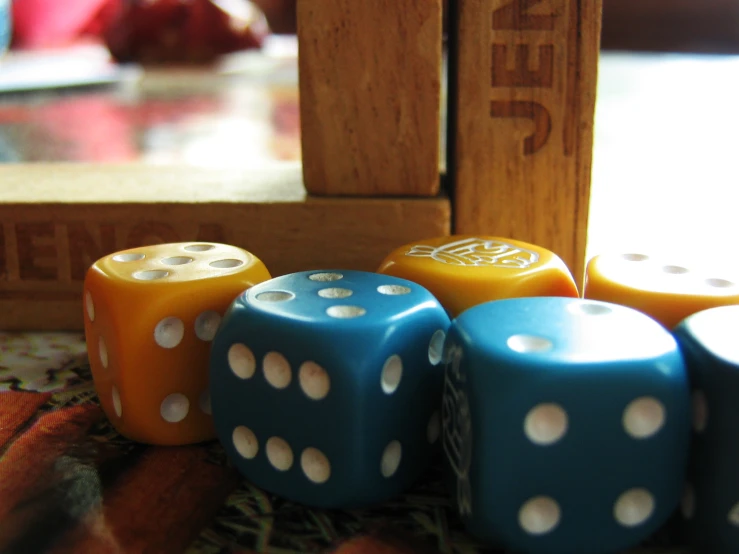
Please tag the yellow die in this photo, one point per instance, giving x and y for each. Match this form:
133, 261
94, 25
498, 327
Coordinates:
668, 293
150, 314
463, 270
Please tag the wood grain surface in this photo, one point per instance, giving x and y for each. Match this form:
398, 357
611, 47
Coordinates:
56, 220
370, 84
522, 98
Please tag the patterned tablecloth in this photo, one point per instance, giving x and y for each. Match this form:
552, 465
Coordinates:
70, 484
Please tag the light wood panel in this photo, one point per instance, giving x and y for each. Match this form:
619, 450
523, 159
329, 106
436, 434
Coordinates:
370, 83
56, 220
522, 94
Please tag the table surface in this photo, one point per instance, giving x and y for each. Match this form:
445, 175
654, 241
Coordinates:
663, 162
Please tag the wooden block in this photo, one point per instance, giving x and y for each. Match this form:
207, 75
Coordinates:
56, 220
370, 85
522, 99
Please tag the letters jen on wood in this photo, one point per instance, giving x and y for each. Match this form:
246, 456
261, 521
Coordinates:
37, 255
522, 99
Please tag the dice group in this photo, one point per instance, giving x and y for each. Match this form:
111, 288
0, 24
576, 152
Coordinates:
325, 385
565, 425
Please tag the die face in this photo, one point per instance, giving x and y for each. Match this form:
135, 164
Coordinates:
565, 450
149, 341
352, 401
155, 384
186, 262
340, 299
464, 270
457, 427
713, 331
710, 507
571, 332
667, 292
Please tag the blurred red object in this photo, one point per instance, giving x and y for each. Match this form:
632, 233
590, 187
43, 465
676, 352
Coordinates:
183, 31
143, 31
52, 23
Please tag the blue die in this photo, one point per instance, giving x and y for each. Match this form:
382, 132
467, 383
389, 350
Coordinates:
326, 385
710, 344
566, 424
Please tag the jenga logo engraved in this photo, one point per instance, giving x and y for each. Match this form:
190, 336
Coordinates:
37, 251
457, 428
536, 21
49, 259
475, 252
515, 16
521, 75
528, 110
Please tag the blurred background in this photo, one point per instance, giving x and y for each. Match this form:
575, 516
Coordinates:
205, 82
196, 30
213, 83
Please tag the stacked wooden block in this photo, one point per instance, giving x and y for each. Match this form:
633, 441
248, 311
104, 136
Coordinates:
521, 95
517, 144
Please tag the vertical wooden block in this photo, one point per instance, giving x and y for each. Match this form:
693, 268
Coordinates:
370, 85
522, 97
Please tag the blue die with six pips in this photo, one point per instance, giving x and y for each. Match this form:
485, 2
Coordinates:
325, 385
